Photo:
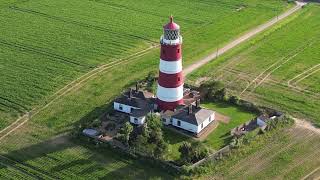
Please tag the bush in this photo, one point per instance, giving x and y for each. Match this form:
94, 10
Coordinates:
192, 152
124, 133
149, 139
213, 90
234, 100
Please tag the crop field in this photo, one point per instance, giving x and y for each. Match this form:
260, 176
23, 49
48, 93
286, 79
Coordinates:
289, 154
47, 44
279, 68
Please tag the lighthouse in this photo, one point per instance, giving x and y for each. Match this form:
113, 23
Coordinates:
170, 82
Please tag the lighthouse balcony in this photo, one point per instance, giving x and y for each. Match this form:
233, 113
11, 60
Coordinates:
166, 41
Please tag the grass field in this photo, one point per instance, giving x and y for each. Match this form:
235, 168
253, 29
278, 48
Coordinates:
279, 68
219, 137
43, 46
46, 44
287, 154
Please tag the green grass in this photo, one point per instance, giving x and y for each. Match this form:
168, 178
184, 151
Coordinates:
174, 140
283, 154
220, 137
49, 43
287, 53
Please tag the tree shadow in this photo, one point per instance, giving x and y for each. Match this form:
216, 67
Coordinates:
98, 162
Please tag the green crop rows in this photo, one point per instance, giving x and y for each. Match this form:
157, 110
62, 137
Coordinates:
46, 44
279, 68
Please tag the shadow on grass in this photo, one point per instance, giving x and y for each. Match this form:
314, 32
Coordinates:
92, 161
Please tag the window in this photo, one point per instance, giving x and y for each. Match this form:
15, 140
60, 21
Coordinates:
136, 120
178, 50
120, 107
164, 120
171, 120
202, 126
179, 123
179, 78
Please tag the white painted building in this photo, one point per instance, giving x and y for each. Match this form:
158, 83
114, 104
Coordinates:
262, 120
193, 119
136, 104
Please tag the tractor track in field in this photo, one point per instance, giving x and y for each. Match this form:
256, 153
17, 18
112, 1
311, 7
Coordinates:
243, 164
245, 76
25, 169
78, 23
275, 66
300, 76
68, 88
242, 39
81, 80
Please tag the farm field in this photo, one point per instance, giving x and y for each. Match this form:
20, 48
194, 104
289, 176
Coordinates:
78, 48
43, 46
279, 68
286, 154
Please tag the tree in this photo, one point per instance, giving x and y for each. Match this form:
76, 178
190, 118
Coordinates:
150, 139
192, 152
125, 133
234, 100
213, 90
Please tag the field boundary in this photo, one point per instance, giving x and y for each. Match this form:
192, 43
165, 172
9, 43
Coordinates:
242, 38
79, 81
66, 89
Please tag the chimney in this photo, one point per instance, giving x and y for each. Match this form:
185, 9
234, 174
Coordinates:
190, 109
198, 103
130, 93
137, 86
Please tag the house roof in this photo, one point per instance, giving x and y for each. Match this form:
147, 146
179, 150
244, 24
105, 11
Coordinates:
197, 117
264, 117
138, 99
139, 113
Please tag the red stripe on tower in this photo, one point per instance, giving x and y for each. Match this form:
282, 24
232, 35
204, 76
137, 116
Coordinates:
170, 83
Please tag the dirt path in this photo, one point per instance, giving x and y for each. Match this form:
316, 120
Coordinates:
306, 125
81, 80
241, 39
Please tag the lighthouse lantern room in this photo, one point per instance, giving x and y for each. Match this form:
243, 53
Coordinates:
170, 82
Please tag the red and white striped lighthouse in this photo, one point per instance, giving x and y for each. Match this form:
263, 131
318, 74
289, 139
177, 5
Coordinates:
170, 82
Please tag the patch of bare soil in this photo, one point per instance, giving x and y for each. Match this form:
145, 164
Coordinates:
206, 131
222, 118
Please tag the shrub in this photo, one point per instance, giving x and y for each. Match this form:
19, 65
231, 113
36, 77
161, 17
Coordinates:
192, 152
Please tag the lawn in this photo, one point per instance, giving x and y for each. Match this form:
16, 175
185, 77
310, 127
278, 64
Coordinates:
46, 44
219, 137
279, 68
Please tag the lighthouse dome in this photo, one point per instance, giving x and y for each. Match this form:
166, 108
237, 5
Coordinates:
171, 25
171, 31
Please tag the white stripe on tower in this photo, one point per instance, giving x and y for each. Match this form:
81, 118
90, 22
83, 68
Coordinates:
170, 94
170, 67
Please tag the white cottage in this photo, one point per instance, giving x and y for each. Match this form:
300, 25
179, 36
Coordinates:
135, 103
192, 118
